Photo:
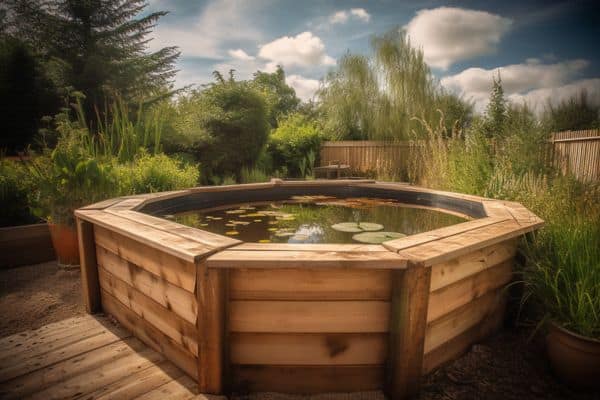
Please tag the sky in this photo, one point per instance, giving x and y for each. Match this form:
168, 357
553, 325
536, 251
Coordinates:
542, 49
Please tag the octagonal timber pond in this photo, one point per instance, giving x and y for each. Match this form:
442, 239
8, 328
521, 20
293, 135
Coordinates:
298, 317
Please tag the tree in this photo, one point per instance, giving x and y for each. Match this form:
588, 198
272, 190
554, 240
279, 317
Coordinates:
281, 99
224, 126
574, 113
496, 112
26, 95
383, 96
95, 46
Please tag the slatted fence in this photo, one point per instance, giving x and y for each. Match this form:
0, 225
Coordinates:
574, 152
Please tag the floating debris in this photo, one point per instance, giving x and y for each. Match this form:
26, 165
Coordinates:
376, 237
354, 227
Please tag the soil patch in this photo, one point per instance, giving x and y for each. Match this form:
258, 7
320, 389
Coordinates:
36, 295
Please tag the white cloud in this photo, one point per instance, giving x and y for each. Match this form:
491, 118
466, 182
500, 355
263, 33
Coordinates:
538, 98
220, 21
342, 16
304, 50
240, 54
361, 14
339, 17
305, 87
449, 34
531, 81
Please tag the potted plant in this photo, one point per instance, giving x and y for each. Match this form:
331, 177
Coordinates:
68, 177
563, 276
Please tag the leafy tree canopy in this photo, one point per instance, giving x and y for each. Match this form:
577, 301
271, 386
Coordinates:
281, 99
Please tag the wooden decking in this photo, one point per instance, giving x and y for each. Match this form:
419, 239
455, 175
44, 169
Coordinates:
88, 358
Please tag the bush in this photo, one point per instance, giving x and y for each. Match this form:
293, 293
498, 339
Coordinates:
294, 145
69, 177
156, 173
254, 175
15, 187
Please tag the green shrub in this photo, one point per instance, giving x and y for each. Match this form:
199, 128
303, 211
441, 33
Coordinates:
294, 145
15, 187
253, 175
68, 178
156, 173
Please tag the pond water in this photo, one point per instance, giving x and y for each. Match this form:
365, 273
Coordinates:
318, 219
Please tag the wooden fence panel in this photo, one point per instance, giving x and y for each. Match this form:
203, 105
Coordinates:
574, 152
578, 153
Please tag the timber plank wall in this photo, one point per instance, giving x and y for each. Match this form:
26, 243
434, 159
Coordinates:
301, 318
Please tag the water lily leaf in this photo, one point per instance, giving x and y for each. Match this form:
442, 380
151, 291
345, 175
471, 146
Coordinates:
232, 233
247, 208
258, 220
272, 229
253, 215
284, 234
235, 211
376, 237
264, 241
354, 227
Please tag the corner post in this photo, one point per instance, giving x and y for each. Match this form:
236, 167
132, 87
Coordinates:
90, 286
408, 323
211, 290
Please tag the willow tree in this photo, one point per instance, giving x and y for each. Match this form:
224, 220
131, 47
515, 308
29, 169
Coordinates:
383, 96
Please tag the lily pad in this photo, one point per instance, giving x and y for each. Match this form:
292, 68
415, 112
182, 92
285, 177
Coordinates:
354, 227
253, 215
272, 229
264, 241
376, 237
258, 220
235, 212
232, 233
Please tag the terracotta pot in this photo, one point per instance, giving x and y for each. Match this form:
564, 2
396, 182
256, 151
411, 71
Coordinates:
574, 358
64, 240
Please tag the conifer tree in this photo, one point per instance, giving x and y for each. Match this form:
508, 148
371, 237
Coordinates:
98, 47
496, 112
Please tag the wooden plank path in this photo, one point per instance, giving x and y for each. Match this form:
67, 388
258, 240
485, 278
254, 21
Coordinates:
88, 357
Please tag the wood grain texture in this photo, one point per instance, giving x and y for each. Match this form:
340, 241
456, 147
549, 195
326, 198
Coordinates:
179, 330
173, 298
461, 343
309, 284
89, 268
398, 245
179, 272
16, 243
174, 245
454, 270
211, 325
309, 316
300, 259
467, 242
306, 379
458, 321
449, 298
196, 235
308, 348
408, 320
150, 335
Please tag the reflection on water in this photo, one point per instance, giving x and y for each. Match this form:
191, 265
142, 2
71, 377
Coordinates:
309, 219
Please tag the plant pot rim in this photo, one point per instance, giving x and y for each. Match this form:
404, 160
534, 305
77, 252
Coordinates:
555, 325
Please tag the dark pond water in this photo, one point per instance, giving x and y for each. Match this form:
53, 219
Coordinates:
318, 219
